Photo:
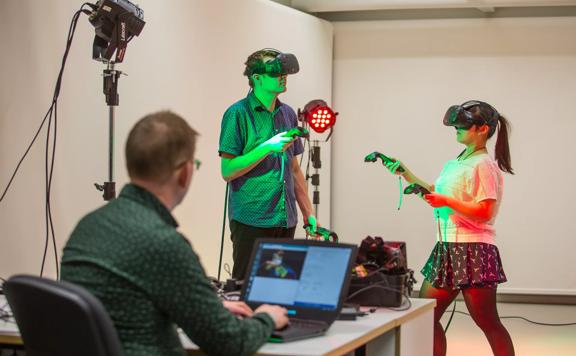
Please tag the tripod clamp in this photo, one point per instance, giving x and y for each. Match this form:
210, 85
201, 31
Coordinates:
111, 77
109, 189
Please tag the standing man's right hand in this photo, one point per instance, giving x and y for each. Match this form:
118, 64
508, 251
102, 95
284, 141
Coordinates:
279, 143
277, 313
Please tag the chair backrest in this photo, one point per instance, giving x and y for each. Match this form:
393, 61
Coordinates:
56, 318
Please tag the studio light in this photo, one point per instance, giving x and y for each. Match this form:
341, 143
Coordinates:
318, 115
116, 23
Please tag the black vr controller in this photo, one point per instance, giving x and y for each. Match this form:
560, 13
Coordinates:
373, 157
297, 132
327, 235
416, 188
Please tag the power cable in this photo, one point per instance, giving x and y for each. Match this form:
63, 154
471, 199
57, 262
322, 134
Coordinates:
52, 116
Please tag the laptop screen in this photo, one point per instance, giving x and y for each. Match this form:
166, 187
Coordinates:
299, 275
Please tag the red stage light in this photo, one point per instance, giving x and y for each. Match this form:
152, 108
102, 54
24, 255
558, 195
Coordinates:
320, 116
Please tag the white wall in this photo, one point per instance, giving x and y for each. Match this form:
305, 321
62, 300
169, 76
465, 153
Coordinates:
393, 82
189, 58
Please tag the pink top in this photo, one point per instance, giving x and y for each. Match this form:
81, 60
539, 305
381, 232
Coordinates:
474, 179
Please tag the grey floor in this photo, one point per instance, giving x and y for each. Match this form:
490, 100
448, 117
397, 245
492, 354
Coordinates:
466, 339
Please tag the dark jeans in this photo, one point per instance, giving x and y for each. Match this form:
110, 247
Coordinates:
243, 237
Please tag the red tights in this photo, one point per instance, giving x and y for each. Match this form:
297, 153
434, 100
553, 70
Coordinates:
481, 304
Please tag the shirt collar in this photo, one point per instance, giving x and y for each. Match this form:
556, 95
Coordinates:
256, 105
149, 200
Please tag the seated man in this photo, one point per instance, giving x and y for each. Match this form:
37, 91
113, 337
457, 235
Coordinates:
129, 254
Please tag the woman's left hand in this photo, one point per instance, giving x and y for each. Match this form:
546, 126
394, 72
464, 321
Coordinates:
436, 200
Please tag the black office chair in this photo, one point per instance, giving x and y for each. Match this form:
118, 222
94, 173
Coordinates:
60, 319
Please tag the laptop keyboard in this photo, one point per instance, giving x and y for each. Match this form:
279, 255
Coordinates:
304, 324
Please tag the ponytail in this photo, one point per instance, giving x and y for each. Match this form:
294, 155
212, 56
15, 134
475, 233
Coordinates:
502, 149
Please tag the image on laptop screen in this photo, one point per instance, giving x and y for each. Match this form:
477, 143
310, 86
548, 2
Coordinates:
298, 275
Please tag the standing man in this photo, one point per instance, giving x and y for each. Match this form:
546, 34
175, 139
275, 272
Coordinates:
129, 254
259, 161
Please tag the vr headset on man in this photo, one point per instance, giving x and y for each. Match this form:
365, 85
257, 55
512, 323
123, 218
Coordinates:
282, 64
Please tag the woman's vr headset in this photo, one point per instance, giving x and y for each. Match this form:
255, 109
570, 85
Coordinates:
282, 64
460, 116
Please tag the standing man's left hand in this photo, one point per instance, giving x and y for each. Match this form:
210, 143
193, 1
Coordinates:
311, 220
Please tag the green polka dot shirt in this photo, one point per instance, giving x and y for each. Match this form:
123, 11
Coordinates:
130, 256
264, 196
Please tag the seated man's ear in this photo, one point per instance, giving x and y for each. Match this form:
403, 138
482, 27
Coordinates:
184, 174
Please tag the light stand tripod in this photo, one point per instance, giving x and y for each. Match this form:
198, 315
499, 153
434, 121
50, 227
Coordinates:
111, 77
318, 115
316, 164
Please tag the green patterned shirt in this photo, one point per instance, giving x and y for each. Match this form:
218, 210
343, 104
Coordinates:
264, 196
129, 255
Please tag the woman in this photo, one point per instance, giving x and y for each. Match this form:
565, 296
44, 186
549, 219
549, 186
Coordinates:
465, 198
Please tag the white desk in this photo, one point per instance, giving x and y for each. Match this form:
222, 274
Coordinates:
9, 334
384, 332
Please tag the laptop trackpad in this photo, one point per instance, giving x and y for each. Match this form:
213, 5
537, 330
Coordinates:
299, 329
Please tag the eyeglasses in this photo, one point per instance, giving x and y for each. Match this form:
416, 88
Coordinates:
197, 164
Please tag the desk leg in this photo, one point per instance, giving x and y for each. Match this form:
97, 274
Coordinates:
416, 337
383, 345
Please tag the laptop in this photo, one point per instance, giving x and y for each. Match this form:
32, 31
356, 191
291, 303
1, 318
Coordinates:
309, 278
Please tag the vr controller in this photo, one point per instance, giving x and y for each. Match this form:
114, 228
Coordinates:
297, 132
416, 188
327, 235
373, 157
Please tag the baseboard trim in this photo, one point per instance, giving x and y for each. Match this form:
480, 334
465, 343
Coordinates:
438, 13
526, 298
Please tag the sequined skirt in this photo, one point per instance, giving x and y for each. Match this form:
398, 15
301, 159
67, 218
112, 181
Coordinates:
455, 265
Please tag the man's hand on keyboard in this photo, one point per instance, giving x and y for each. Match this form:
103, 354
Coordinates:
277, 313
239, 309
